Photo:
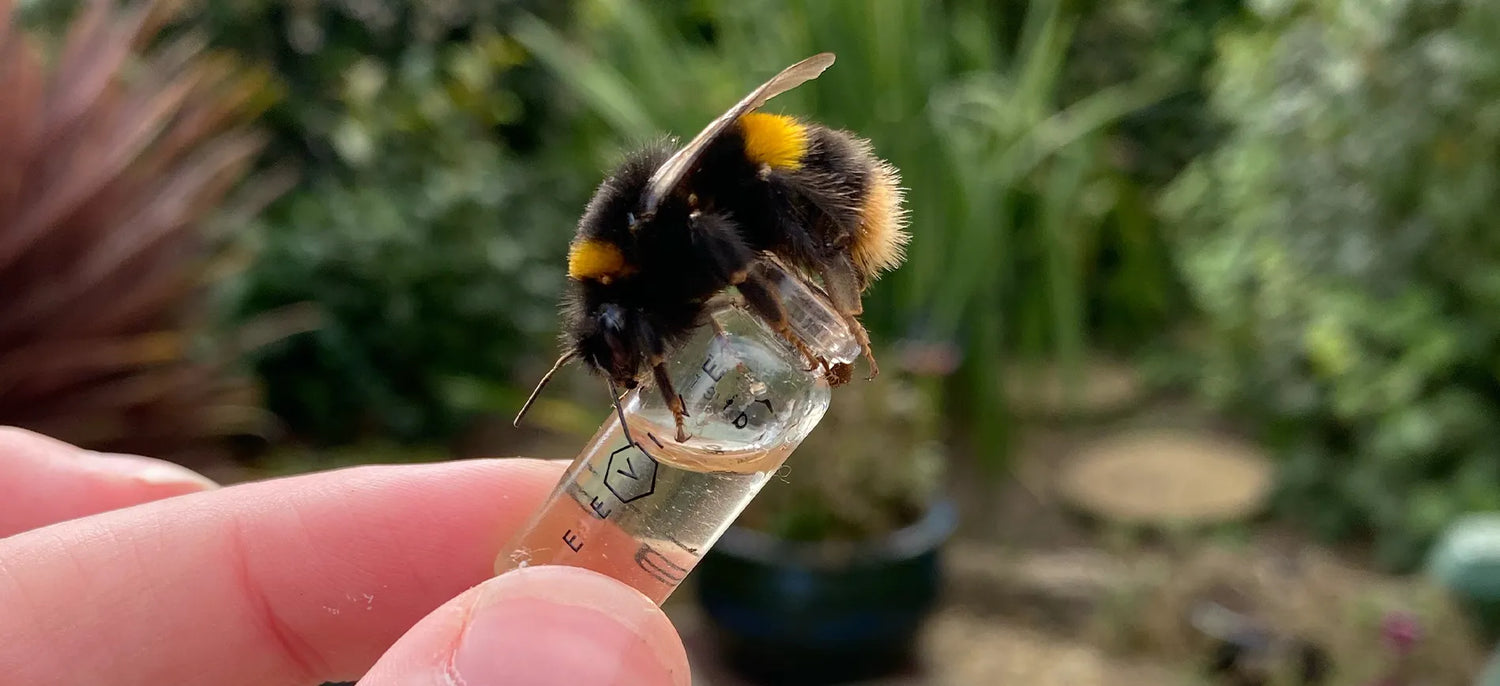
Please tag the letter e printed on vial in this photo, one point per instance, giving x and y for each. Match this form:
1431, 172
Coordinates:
570, 539
711, 365
598, 506
716, 366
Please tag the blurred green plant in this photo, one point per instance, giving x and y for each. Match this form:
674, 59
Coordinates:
1341, 244
1021, 227
1121, 40
419, 233
119, 153
312, 46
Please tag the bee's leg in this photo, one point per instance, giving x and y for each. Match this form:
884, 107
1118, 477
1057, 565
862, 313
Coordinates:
673, 400
718, 327
669, 395
761, 298
843, 285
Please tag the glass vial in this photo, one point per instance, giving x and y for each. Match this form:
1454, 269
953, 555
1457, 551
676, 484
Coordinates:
645, 511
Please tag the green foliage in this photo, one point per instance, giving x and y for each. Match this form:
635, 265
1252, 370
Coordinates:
1341, 244
1021, 228
426, 242
1120, 40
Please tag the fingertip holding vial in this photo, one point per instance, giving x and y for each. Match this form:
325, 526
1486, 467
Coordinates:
645, 509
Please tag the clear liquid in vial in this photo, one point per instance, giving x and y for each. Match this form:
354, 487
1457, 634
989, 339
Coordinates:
645, 517
649, 542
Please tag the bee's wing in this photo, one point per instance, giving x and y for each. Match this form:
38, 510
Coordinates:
671, 172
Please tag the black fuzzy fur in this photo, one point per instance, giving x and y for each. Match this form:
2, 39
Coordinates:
722, 217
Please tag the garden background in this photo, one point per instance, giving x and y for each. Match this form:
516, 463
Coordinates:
1194, 284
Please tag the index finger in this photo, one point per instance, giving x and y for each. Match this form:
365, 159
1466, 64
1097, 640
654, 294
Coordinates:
293, 581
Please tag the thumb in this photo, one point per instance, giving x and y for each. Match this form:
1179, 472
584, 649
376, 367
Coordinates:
539, 626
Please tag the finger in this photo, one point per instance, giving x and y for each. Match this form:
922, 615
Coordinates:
292, 581
46, 480
541, 626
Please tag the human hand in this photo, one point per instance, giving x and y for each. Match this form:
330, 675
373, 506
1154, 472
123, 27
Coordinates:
324, 577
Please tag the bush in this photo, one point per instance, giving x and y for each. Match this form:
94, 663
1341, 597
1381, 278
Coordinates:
427, 243
1342, 246
1120, 40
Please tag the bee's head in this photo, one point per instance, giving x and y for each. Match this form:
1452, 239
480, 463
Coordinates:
604, 324
604, 318
609, 338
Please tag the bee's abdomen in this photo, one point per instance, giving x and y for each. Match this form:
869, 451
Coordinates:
807, 192
856, 199
879, 244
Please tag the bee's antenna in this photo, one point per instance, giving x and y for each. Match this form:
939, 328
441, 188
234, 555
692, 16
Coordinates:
542, 384
614, 394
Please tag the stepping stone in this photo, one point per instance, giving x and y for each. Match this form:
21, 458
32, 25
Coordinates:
1168, 478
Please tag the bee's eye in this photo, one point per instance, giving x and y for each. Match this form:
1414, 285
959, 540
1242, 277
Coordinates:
630, 218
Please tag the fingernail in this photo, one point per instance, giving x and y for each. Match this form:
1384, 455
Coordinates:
564, 625
144, 470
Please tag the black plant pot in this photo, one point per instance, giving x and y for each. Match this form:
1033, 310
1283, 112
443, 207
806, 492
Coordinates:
787, 612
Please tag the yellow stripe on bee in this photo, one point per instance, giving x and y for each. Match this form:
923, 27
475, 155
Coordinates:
774, 140
596, 259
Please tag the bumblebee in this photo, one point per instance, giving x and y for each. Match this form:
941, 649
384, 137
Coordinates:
668, 230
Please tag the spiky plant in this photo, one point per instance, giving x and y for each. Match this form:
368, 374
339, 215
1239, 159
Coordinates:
118, 145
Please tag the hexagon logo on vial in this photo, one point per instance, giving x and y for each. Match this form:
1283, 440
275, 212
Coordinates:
631, 474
